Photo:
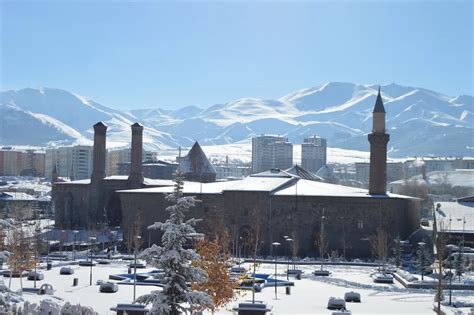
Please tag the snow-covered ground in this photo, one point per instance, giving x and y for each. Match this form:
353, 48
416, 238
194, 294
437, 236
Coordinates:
308, 296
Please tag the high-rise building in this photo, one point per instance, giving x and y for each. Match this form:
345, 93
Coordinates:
271, 152
116, 157
313, 153
395, 171
72, 162
15, 162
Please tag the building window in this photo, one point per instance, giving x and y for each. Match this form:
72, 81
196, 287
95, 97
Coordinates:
360, 224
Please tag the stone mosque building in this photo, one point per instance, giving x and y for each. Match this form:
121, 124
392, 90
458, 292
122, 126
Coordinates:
290, 202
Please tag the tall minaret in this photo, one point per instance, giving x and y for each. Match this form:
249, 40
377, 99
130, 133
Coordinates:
135, 179
378, 150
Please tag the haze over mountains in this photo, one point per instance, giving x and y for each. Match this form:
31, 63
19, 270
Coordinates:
420, 121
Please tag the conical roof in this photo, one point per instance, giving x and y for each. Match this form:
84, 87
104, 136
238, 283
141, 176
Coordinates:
196, 162
326, 173
379, 108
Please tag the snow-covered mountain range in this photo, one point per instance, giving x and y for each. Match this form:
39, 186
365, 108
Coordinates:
420, 121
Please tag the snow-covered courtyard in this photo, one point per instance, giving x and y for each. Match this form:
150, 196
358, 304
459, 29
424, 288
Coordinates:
309, 295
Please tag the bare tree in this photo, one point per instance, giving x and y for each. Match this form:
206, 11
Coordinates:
321, 241
440, 240
255, 240
397, 251
379, 243
20, 258
295, 247
132, 242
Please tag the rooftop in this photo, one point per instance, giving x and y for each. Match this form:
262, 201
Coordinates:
274, 185
456, 216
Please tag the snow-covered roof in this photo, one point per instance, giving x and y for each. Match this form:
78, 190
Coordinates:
326, 173
86, 181
158, 182
188, 188
259, 183
305, 187
117, 177
456, 217
303, 173
16, 196
278, 186
460, 177
44, 198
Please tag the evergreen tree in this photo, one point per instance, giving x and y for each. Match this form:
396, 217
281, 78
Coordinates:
397, 251
423, 260
459, 263
177, 295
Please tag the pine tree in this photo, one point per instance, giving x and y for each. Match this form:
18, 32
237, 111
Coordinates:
177, 295
459, 263
423, 260
397, 251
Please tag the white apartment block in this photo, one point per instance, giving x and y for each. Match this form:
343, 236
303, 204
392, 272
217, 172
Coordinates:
233, 171
72, 162
271, 152
114, 157
313, 153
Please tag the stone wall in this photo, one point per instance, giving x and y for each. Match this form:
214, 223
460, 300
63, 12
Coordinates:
349, 223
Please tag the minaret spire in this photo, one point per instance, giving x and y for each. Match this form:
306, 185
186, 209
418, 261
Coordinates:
378, 150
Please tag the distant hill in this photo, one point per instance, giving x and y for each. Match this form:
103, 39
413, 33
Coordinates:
420, 121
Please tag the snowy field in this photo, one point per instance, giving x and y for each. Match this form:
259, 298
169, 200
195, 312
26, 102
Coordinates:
308, 296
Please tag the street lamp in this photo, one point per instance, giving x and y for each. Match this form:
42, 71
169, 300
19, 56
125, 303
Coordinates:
137, 240
239, 249
91, 239
275, 244
37, 233
289, 240
422, 258
74, 245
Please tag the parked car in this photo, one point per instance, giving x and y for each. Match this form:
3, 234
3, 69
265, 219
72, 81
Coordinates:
66, 270
323, 273
335, 303
352, 296
35, 276
108, 287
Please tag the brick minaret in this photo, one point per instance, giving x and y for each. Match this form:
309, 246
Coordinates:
98, 162
96, 210
135, 178
378, 150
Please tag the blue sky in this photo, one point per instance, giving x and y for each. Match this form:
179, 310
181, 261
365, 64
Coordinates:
173, 54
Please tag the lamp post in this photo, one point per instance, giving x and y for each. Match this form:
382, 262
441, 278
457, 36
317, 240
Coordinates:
289, 241
275, 244
137, 239
74, 245
422, 258
37, 233
239, 249
91, 239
